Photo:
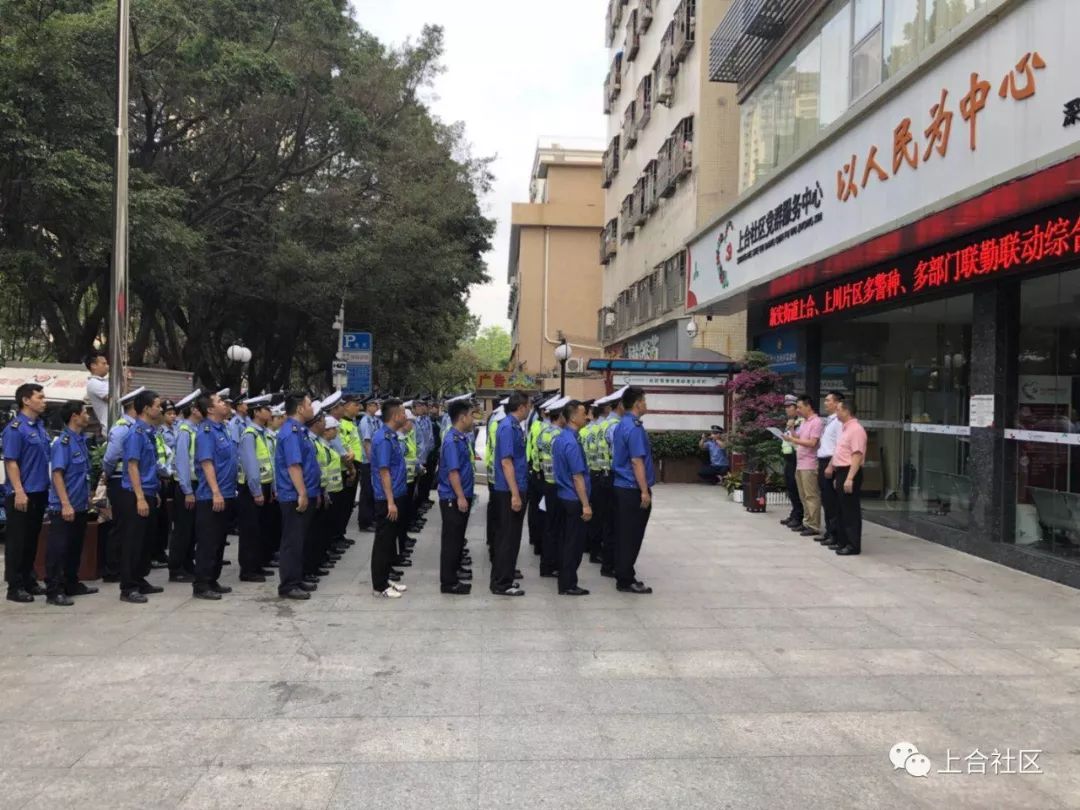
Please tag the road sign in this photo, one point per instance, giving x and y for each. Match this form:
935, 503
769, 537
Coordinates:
339, 367
358, 379
356, 342
356, 357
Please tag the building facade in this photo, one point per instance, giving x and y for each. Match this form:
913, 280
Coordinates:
670, 165
908, 231
554, 273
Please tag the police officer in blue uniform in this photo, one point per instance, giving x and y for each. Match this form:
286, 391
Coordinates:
215, 495
69, 505
390, 487
633, 479
298, 483
139, 500
182, 538
573, 489
112, 475
26, 464
455, 496
511, 494
369, 423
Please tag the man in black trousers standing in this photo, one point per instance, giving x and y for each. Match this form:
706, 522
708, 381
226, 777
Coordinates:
510, 492
215, 495
26, 464
298, 482
455, 496
634, 477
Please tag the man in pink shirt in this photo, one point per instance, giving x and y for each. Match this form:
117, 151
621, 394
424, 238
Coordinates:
806, 439
847, 463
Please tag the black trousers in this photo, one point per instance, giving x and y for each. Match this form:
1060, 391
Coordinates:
492, 516
272, 517
348, 502
792, 487
295, 526
537, 519
630, 523
605, 494
553, 529
211, 528
182, 540
63, 551
594, 541
20, 548
384, 547
365, 508
317, 542
571, 542
135, 546
159, 536
849, 520
508, 542
828, 497
454, 522
340, 509
250, 521
114, 542
710, 472
406, 514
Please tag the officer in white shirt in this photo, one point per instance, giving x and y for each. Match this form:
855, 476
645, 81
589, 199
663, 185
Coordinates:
97, 387
825, 451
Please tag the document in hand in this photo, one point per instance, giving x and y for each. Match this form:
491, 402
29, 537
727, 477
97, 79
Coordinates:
778, 434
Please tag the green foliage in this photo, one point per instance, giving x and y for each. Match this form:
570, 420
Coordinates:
492, 348
281, 159
675, 444
732, 481
757, 405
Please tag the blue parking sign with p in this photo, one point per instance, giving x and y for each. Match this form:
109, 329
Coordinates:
357, 342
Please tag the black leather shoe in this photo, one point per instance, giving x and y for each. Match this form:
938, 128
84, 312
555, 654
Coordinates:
207, 594
226, 562
111, 579
321, 572
394, 576
460, 589
134, 597
786, 521
795, 527
333, 557
267, 572
808, 533
549, 574
596, 558
308, 587
834, 546
846, 551
513, 590
34, 589
464, 575
157, 565
637, 587
311, 579
574, 592
81, 589
827, 537
403, 562
217, 587
607, 572
518, 574
19, 595
181, 578
146, 589
252, 578
295, 593
60, 600
272, 564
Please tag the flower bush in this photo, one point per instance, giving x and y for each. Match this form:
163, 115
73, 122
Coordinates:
757, 404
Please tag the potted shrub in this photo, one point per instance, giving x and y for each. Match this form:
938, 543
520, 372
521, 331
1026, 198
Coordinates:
677, 456
756, 405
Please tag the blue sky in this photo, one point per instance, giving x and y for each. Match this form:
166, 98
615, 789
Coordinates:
516, 73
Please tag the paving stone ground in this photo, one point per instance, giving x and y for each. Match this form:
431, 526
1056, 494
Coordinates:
765, 672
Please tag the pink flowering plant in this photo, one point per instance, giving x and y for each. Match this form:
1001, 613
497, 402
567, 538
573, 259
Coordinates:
757, 404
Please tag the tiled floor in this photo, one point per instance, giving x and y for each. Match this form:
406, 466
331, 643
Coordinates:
764, 672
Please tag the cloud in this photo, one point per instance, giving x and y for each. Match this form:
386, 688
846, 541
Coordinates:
515, 73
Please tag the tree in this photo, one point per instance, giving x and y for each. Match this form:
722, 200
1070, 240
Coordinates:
757, 405
281, 161
492, 347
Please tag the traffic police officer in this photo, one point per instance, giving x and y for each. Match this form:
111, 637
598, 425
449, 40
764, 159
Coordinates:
536, 423
492, 514
298, 484
182, 539
549, 550
215, 495
511, 492
634, 477
69, 504
112, 475
253, 497
139, 500
26, 463
369, 423
573, 488
455, 497
390, 487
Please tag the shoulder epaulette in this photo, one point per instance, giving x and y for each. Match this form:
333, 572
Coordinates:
65, 440
206, 428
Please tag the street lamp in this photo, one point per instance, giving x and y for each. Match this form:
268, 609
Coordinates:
239, 353
562, 354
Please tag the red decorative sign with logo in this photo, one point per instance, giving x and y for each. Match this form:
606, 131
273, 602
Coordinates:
1033, 243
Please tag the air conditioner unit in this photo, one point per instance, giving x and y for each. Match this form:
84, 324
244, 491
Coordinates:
666, 91
575, 365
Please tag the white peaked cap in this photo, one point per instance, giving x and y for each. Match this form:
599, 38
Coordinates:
223, 393
194, 395
278, 410
132, 394
258, 400
549, 402
557, 403
332, 400
615, 397
409, 415
504, 401
331, 422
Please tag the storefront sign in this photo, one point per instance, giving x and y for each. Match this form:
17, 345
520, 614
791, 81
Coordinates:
668, 381
1045, 389
504, 381
989, 111
1072, 112
1040, 241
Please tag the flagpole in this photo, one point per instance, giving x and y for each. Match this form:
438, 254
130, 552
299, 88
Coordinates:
119, 276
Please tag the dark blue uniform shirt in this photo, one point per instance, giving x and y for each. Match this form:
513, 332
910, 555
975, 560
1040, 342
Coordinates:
213, 443
386, 455
139, 446
294, 447
27, 443
510, 443
69, 454
568, 458
456, 455
629, 441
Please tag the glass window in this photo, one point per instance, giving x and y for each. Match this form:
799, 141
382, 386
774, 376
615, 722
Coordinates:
866, 65
903, 37
807, 93
944, 15
748, 143
1047, 468
835, 65
785, 84
867, 14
